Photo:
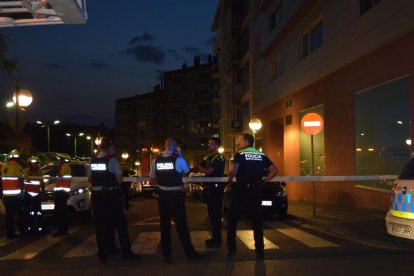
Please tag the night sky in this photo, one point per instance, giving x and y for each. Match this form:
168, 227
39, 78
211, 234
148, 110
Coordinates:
75, 72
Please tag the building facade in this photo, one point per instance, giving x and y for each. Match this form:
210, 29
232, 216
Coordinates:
193, 106
349, 61
139, 127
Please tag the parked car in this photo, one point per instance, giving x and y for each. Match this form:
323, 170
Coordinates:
274, 199
196, 189
148, 189
400, 217
79, 201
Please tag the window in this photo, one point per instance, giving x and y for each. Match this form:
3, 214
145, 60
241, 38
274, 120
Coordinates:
312, 39
365, 5
382, 130
277, 69
306, 147
276, 17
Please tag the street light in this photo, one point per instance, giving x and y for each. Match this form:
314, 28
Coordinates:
75, 136
255, 125
47, 125
221, 149
125, 155
90, 139
22, 98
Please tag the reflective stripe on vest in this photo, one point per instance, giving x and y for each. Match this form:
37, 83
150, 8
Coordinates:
32, 187
63, 184
10, 185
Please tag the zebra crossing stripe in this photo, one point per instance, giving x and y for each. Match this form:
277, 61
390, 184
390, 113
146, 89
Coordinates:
246, 236
146, 243
198, 239
33, 249
306, 238
87, 248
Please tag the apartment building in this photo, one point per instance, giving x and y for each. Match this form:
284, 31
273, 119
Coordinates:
349, 61
193, 106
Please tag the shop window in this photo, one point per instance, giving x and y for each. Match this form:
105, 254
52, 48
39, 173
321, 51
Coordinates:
382, 130
306, 147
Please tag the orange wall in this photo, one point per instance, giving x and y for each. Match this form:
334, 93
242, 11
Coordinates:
336, 91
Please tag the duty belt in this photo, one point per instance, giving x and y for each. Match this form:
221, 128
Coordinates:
102, 188
165, 188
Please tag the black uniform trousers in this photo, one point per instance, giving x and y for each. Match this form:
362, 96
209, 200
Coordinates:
215, 208
109, 215
125, 193
171, 204
246, 199
61, 211
33, 218
13, 206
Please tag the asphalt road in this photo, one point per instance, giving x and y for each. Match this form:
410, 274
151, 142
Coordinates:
336, 243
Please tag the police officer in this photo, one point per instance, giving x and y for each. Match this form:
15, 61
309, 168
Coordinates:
106, 178
167, 170
62, 192
213, 166
12, 182
248, 167
33, 188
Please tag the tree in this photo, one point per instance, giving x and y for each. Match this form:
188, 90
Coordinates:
7, 65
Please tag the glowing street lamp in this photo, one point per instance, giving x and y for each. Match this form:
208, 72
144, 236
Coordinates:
22, 98
125, 155
221, 149
255, 125
75, 136
47, 125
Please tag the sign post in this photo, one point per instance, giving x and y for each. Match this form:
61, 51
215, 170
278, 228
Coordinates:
312, 123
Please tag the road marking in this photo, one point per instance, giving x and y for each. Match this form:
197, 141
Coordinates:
147, 243
306, 238
33, 249
198, 239
246, 236
151, 221
85, 249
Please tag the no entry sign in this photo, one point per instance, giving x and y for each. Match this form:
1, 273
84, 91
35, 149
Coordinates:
312, 123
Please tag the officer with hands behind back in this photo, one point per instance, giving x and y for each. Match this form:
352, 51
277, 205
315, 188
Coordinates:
167, 170
62, 193
248, 167
213, 166
106, 178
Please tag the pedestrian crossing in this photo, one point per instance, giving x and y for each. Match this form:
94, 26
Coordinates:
276, 238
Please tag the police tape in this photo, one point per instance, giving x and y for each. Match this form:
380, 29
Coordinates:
225, 179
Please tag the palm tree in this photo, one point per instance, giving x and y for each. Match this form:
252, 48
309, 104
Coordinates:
6, 65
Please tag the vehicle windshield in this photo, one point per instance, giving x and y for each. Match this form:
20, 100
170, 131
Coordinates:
53, 170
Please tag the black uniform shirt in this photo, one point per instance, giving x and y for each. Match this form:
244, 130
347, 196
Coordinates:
215, 161
252, 165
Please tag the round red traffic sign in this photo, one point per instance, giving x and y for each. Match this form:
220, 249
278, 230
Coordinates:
312, 123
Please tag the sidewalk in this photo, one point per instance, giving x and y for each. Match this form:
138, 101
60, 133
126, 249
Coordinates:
362, 225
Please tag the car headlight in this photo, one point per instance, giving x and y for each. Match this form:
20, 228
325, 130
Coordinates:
78, 191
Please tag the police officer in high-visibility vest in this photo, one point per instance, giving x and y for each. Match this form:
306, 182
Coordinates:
61, 193
106, 178
248, 167
12, 182
213, 166
33, 188
167, 170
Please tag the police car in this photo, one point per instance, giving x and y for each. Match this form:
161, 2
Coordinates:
79, 201
274, 199
400, 217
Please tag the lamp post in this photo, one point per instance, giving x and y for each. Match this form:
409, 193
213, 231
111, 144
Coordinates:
22, 98
98, 141
255, 125
47, 125
89, 138
75, 136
